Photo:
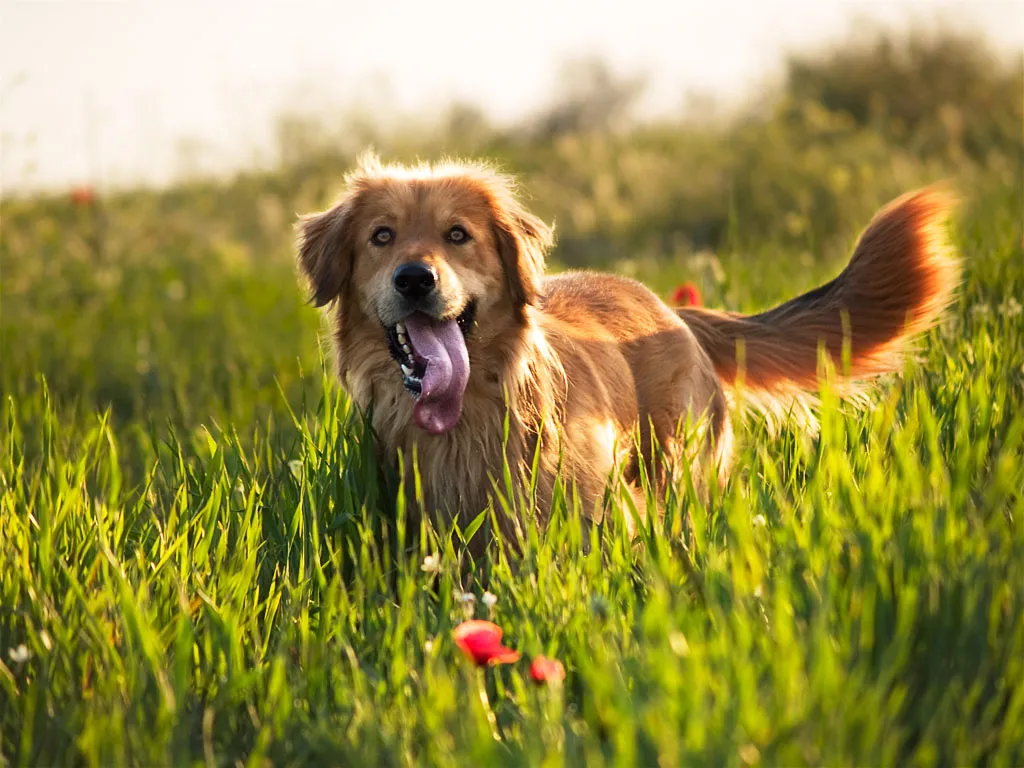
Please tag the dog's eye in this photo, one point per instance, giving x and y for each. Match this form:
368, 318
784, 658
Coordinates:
382, 236
458, 235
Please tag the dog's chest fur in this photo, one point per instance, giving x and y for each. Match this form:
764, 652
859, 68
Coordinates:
460, 471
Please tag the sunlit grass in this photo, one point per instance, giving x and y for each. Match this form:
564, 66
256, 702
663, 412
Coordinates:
200, 563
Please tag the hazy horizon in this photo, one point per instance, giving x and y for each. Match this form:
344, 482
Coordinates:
106, 92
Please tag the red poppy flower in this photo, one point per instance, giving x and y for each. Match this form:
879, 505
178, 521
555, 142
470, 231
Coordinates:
545, 670
83, 195
686, 295
481, 641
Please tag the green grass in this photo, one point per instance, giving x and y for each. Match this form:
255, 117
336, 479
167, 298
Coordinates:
199, 565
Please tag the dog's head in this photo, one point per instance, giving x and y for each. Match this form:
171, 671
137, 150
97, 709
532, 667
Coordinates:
431, 255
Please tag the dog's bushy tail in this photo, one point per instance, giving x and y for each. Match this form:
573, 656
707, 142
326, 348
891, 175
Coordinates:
902, 275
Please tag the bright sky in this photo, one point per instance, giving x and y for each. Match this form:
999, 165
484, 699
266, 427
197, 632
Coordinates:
102, 90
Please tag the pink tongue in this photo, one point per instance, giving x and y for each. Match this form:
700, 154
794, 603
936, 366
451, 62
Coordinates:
441, 345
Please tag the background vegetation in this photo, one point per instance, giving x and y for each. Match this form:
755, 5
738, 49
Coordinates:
197, 563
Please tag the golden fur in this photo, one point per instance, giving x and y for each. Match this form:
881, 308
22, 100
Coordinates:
583, 364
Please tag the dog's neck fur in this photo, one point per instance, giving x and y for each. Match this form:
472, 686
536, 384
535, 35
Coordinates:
450, 465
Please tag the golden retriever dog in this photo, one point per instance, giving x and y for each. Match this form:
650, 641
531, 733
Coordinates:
447, 331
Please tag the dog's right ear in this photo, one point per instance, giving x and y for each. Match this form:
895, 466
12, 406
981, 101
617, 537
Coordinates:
326, 251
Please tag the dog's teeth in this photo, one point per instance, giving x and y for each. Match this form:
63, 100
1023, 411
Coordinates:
407, 349
402, 339
400, 328
407, 370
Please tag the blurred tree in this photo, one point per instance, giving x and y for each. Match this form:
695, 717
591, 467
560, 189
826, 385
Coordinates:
466, 127
590, 97
936, 93
298, 136
190, 158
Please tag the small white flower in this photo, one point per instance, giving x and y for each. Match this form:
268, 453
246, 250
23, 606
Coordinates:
1010, 308
428, 646
677, 642
468, 601
981, 309
489, 599
750, 754
431, 564
759, 521
20, 654
296, 468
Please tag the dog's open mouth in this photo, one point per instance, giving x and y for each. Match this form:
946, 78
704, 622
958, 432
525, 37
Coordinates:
435, 365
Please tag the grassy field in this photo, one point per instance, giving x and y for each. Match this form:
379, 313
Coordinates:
198, 564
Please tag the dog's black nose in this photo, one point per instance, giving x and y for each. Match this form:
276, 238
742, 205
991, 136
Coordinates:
414, 280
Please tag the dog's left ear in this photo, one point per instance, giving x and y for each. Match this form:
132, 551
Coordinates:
326, 252
523, 243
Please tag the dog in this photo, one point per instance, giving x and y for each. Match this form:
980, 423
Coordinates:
468, 358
